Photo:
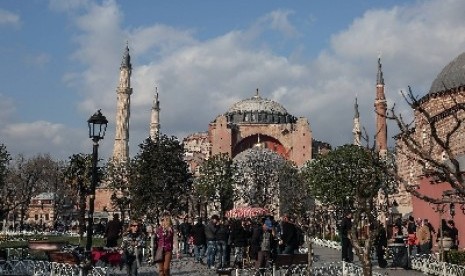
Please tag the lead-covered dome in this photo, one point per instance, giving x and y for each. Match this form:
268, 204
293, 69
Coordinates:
452, 76
258, 110
257, 103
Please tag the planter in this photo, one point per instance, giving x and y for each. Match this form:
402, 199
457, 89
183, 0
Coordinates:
64, 257
446, 243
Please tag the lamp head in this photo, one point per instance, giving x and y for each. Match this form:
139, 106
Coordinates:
97, 126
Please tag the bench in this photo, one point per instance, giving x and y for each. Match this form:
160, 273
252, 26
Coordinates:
64, 257
288, 260
53, 251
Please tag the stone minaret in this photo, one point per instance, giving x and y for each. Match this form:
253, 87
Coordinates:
155, 118
380, 110
123, 103
356, 130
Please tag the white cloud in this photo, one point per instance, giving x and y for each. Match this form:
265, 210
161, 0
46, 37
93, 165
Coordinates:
43, 137
198, 79
279, 20
8, 18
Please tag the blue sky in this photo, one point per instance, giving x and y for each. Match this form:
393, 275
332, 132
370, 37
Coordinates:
60, 62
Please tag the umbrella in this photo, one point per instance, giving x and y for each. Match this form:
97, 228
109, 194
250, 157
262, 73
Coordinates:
246, 212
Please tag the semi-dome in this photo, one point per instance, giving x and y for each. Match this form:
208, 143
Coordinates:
452, 76
258, 153
258, 110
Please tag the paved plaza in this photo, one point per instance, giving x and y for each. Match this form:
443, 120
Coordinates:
186, 266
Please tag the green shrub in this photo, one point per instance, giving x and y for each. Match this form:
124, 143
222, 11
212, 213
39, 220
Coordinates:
456, 257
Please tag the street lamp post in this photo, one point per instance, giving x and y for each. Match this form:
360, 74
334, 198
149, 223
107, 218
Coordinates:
97, 126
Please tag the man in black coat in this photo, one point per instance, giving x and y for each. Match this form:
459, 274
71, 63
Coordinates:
113, 231
200, 241
185, 229
381, 245
289, 236
346, 245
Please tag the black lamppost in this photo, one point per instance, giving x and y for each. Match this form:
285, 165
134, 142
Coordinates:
97, 126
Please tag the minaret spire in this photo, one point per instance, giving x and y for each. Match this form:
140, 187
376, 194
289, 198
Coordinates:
123, 101
379, 77
381, 111
356, 130
155, 119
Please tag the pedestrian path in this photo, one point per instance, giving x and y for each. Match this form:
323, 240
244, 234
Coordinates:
324, 254
185, 265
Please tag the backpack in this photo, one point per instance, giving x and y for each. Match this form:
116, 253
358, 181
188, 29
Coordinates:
265, 244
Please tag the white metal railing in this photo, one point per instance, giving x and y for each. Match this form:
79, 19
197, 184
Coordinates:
430, 264
45, 268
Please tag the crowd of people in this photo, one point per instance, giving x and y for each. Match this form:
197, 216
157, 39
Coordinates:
416, 236
218, 243
222, 243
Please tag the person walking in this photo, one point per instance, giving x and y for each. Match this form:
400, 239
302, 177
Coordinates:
222, 236
411, 234
113, 231
200, 241
132, 244
210, 233
165, 239
266, 244
454, 234
424, 238
346, 245
239, 236
185, 229
288, 235
381, 245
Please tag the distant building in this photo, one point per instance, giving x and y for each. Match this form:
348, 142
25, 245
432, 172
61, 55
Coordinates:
257, 119
444, 101
42, 210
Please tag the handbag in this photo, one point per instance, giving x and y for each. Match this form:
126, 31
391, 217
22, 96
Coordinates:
158, 255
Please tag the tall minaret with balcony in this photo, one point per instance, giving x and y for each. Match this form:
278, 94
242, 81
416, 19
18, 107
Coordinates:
380, 110
155, 118
123, 103
356, 130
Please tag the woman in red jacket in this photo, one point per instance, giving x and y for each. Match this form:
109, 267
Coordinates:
165, 239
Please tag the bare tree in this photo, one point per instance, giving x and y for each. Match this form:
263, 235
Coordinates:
431, 145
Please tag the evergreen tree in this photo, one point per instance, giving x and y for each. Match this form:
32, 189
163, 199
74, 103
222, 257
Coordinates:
4, 162
159, 179
351, 178
77, 175
216, 183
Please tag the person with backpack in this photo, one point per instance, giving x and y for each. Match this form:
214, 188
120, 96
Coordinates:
266, 244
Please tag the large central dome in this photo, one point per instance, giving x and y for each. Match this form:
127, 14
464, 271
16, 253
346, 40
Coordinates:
257, 110
257, 103
452, 76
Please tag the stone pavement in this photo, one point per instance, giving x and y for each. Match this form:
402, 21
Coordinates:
185, 265
324, 254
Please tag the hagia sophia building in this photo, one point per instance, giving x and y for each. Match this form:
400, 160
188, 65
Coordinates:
246, 123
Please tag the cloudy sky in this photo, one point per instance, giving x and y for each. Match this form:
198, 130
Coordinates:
60, 63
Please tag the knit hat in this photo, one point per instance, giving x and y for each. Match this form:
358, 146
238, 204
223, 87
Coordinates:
268, 224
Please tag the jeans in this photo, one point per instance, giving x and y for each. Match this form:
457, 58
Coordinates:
238, 255
346, 250
199, 252
221, 248
211, 252
185, 245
